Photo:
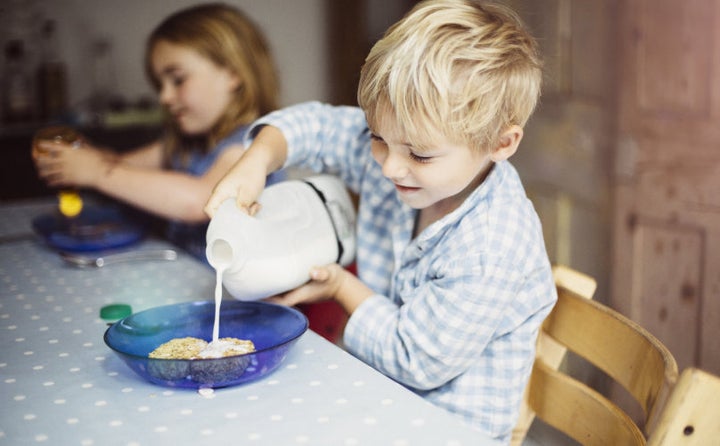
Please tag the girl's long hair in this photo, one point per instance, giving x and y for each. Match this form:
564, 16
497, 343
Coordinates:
229, 39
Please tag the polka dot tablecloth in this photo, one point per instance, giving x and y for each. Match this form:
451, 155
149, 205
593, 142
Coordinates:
61, 385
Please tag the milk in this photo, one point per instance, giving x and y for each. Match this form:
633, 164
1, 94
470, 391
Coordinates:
218, 300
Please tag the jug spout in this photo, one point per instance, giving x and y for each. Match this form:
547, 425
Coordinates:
225, 236
220, 253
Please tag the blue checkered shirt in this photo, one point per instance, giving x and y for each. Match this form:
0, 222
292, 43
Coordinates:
457, 309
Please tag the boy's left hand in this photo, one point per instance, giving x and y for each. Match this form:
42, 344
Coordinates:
328, 282
323, 285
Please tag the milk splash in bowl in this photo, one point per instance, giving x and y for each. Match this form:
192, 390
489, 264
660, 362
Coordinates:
221, 347
195, 348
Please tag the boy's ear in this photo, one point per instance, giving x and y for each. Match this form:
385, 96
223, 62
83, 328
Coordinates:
508, 143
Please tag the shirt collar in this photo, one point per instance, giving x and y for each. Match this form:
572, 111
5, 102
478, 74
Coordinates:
479, 197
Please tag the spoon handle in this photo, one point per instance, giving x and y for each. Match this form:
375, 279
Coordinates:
100, 261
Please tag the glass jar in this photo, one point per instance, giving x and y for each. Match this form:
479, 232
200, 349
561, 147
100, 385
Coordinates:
70, 203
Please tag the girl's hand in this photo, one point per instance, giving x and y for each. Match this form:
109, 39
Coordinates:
61, 164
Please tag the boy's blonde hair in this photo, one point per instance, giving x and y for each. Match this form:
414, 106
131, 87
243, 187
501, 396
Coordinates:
463, 68
229, 39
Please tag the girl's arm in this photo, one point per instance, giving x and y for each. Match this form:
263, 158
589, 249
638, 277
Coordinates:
136, 178
166, 193
149, 155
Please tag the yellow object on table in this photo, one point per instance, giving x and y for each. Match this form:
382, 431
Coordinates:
69, 203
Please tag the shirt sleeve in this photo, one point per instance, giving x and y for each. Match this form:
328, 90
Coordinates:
436, 335
323, 138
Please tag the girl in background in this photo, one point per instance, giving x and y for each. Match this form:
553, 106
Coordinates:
214, 75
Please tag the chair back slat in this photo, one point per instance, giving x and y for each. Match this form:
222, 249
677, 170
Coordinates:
552, 352
622, 349
613, 343
578, 410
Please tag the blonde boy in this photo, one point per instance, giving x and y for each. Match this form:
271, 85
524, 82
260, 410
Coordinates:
453, 278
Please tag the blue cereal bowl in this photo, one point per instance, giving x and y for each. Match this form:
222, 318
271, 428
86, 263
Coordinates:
273, 329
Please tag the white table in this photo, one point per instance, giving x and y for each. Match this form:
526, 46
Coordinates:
61, 385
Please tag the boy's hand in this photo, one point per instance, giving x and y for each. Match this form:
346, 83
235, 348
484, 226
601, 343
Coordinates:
328, 282
246, 180
323, 285
244, 183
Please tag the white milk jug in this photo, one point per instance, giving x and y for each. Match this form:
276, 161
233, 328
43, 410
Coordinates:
300, 224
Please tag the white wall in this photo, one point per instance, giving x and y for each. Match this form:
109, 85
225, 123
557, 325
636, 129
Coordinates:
295, 30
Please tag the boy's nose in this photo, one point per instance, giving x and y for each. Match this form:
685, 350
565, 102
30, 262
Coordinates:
394, 166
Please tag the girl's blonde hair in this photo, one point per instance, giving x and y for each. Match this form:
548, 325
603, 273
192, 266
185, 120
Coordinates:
463, 68
228, 38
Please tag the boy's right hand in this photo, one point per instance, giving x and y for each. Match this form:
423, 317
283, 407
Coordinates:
246, 180
242, 182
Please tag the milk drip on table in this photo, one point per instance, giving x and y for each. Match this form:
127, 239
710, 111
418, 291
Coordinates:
300, 224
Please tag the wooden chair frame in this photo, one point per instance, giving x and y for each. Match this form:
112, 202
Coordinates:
619, 347
691, 416
552, 353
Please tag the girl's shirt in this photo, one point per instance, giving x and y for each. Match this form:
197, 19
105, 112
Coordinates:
457, 309
191, 237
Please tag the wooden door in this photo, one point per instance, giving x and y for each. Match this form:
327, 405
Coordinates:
564, 156
666, 185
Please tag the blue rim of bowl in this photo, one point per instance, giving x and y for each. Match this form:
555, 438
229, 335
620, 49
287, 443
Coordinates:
254, 352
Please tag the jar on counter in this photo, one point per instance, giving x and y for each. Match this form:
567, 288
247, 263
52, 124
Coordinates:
51, 75
17, 90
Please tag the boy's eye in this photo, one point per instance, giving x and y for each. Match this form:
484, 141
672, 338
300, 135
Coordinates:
178, 80
375, 137
420, 159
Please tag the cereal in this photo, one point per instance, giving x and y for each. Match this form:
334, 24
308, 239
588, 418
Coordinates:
208, 363
194, 348
179, 348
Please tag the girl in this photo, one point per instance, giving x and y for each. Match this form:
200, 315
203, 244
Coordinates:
214, 74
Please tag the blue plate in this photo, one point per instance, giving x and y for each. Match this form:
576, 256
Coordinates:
272, 328
96, 228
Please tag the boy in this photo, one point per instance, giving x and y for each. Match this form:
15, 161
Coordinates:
453, 280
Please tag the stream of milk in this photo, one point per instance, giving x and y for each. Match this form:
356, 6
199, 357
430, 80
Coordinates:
218, 300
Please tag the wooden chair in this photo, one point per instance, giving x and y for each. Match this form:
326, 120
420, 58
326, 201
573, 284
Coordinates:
552, 352
622, 349
691, 416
